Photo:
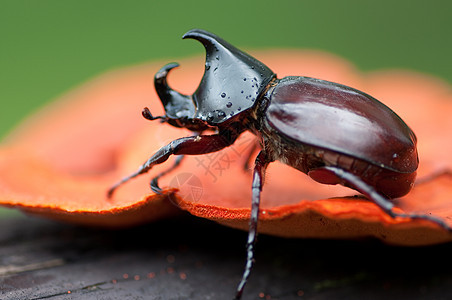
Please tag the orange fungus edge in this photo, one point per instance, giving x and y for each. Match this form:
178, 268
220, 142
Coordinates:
65, 147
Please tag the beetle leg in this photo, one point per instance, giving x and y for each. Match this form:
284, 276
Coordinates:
260, 166
386, 205
193, 145
154, 181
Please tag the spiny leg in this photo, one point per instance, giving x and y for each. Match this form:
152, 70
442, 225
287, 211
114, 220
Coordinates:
384, 203
193, 145
154, 181
258, 179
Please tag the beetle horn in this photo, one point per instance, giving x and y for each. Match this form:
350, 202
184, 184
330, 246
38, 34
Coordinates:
230, 74
218, 49
177, 105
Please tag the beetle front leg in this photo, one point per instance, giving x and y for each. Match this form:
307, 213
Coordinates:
193, 145
260, 166
154, 181
382, 202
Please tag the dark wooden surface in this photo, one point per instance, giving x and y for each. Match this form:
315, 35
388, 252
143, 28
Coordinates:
190, 258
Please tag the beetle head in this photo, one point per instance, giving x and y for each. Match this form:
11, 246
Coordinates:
232, 82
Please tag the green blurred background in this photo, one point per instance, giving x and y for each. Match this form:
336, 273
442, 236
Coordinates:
49, 46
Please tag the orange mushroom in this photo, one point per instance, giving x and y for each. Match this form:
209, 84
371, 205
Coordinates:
61, 161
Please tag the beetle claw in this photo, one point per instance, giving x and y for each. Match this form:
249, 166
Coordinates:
155, 185
154, 181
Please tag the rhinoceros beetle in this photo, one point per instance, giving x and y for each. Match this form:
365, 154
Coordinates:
333, 133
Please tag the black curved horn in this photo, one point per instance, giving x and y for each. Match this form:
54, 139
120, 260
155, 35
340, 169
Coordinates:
230, 74
176, 105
